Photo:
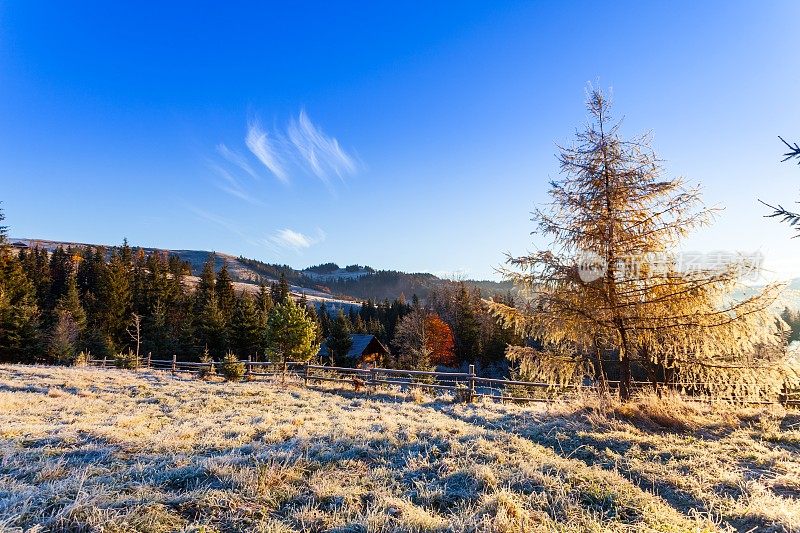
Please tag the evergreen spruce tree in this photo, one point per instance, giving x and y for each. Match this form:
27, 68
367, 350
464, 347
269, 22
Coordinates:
92, 276
245, 328
375, 327
69, 325
274, 292
60, 270
466, 326
358, 324
339, 342
116, 297
324, 319
206, 287
283, 290
19, 314
139, 282
226, 296
36, 264
264, 305
157, 339
70, 302
210, 328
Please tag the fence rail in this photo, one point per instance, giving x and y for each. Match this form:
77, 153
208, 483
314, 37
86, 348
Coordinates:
467, 385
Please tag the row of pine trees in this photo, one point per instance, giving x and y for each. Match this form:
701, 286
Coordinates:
98, 301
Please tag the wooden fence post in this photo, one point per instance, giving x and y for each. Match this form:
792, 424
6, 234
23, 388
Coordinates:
249, 364
174, 363
305, 374
104, 361
373, 380
471, 396
149, 358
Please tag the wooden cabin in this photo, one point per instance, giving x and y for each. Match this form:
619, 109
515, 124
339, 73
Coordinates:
366, 352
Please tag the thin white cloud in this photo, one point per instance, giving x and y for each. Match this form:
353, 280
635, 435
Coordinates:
258, 142
322, 154
279, 243
231, 185
289, 238
301, 149
237, 159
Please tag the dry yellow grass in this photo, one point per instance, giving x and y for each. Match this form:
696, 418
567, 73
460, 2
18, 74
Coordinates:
84, 449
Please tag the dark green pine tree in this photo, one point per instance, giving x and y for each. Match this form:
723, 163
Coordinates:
36, 263
125, 253
92, 276
339, 342
264, 305
139, 273
116, 300
466, 326
70, 322
210, 328
375, 327
209, 322
157, 338
157, 287
226, 296
311, 312
282, 290
70, 302
205, 288
359, 326
264, 301
245, 327
20, 339
324, 319
60, 270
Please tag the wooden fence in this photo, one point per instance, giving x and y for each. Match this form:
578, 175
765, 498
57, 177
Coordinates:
466, 385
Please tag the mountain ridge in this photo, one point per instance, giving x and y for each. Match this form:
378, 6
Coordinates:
353, 282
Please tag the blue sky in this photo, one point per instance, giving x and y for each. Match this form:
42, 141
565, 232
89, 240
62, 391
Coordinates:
398, 135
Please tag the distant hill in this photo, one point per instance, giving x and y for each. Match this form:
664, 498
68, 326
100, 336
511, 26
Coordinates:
327, 281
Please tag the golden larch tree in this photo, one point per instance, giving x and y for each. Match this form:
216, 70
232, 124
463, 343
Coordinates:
611, 283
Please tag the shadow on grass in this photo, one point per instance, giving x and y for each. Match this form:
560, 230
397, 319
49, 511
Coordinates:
558, 434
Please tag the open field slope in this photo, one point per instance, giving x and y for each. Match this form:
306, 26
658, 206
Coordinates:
91, 449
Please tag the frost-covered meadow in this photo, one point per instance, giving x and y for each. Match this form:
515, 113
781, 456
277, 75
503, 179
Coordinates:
85, 449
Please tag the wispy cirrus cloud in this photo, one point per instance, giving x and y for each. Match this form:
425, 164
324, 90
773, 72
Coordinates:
259, 143
238, 159
322, 154
279, 242
233, 186
301, 148
294, 240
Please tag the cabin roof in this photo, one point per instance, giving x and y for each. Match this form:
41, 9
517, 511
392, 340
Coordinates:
362, 344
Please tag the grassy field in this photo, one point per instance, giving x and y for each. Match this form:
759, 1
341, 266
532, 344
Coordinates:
90, 450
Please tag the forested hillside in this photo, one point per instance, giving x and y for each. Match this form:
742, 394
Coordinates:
61, 303
351, 282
